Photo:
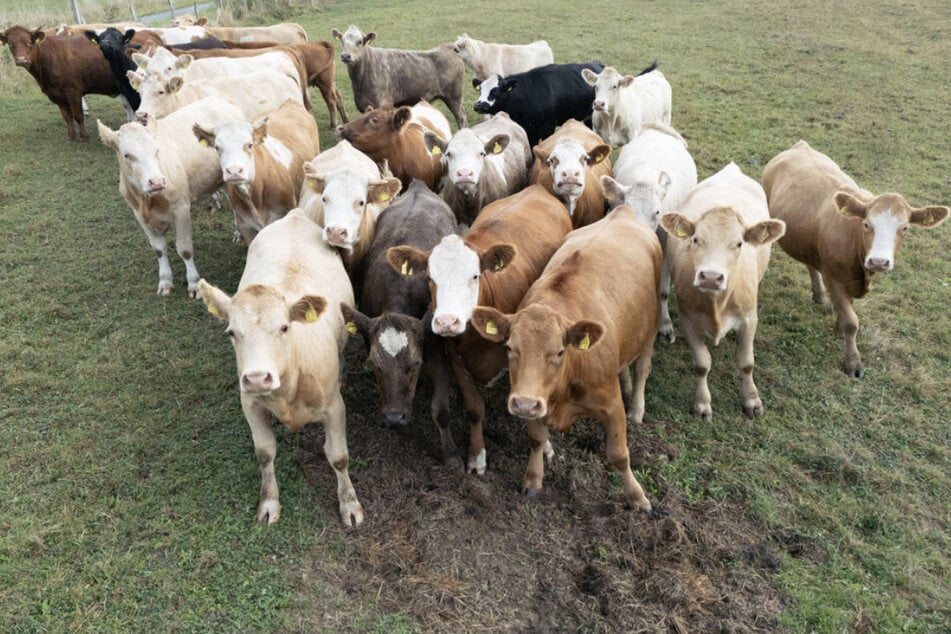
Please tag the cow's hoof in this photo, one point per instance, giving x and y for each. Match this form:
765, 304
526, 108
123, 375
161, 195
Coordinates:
269, 511
704, 411
756, 409
531, 494
667, 334
855, 371
455, 464
476, 465
351, 513
165, 291
193, 293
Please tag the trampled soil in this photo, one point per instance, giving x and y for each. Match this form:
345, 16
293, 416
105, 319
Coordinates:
467, 553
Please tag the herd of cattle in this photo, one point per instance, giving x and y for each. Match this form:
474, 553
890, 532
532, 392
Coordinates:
511, 245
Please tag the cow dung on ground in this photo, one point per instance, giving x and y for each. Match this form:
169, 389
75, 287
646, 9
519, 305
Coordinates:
463, 553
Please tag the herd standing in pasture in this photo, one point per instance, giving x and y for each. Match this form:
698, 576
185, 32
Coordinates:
512, 245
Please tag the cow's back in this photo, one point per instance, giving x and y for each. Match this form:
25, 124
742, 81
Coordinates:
64, 61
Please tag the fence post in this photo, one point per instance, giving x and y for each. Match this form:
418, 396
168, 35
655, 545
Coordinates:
135, 18
171, 8
77, 16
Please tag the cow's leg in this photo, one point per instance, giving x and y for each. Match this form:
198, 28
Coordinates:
818, 288
335, 448
328, 94
76, 109
455, 106
642, 369
847, 323
627, 387
615, 431
341, 108
535, 471
183, 244
745, 332
156, 235
665, 324
265, 448
702, 406
85, 107
67, 115
475, 410
438, 369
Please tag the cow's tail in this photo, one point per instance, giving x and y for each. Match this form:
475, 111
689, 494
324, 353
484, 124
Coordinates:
650, 68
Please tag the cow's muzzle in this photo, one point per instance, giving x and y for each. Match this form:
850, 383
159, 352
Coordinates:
527, 406
482, 107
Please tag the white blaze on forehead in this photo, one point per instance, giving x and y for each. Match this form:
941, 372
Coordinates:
454, 270
393, 341
351, 38
486, 86
885, 227
463, 156
568, 156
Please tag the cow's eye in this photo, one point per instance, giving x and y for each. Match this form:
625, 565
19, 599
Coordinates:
696, 240
482, 153
738, 244
361, 203
284, 328
865, 224
127, 157
230, 333
249, 147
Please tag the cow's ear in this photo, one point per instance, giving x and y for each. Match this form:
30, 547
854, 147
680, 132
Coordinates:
384, 190
217, 301
435, 143
201, 21
313, 179
490, 323
496, 257
663, 182
135, 78
584, 335
355, 322
337, 35
677, 225
590, 77
206, 137
929, 216
613, 191
509, 85
141, 60
3, 38
184, 61
497, 144
37, 36
175, 84
765, 232
476, 82
401, 117
109, 137
407, 260
259, 131
369, 37
128, 35
308, 309
92, 36
626, 81
850, 206
598, 153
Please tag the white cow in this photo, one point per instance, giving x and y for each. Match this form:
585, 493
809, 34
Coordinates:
485, 58
653, 174
163, 170
180, 34
719, 250
288, 336
622, 104
344, 192
164, 62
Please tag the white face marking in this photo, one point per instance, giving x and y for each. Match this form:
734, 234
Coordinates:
464, 159
492, 81
454, 270
568, 162
606, 89
138, 159
233, 142
344, 204
885, 227
352, 43
393, 341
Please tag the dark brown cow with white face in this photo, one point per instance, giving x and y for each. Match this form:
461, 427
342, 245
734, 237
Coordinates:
842, 233
393, 323
574, 335
66, 68
396, 136
503, 252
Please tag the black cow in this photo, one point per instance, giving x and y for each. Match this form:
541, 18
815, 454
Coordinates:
204, 44
540, 99
112, 43
397, 335
402, 78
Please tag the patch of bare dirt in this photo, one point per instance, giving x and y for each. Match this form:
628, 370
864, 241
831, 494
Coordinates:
463, 553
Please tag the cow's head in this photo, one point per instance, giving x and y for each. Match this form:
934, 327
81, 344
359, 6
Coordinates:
158, 93
162, 61
395, 345
137, 151
569, 163
540, 343
462, 46
344, 196
644, 196
715, 241
111, 42
491, 90
353, 44
375, 130
885, 219
234, 142
21, 42
260, 324
607, 85
465, 155
454, 270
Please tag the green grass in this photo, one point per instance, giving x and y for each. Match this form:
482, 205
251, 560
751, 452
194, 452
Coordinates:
128, 476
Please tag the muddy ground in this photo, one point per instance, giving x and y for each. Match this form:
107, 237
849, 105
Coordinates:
467, 553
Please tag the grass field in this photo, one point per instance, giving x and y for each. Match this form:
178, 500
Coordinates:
129, 476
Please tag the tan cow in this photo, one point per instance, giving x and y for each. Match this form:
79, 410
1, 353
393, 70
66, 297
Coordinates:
718, 247
288, 337
576, 333
842, 233
569, 164
262, 164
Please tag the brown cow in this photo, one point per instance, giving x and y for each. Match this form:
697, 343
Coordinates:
718, 248
842, 233
569, 164
503, 252
396, 136
574, 336
66, 68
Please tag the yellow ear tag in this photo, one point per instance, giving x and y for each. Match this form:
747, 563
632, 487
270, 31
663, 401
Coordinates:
585, 343
599, 158
311, 185
681, 233
765, 235
499, 264
203, 142
491, 328
310, 315
843, 211
351, 328
406, 270
436, 150
213, 310
497, 148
